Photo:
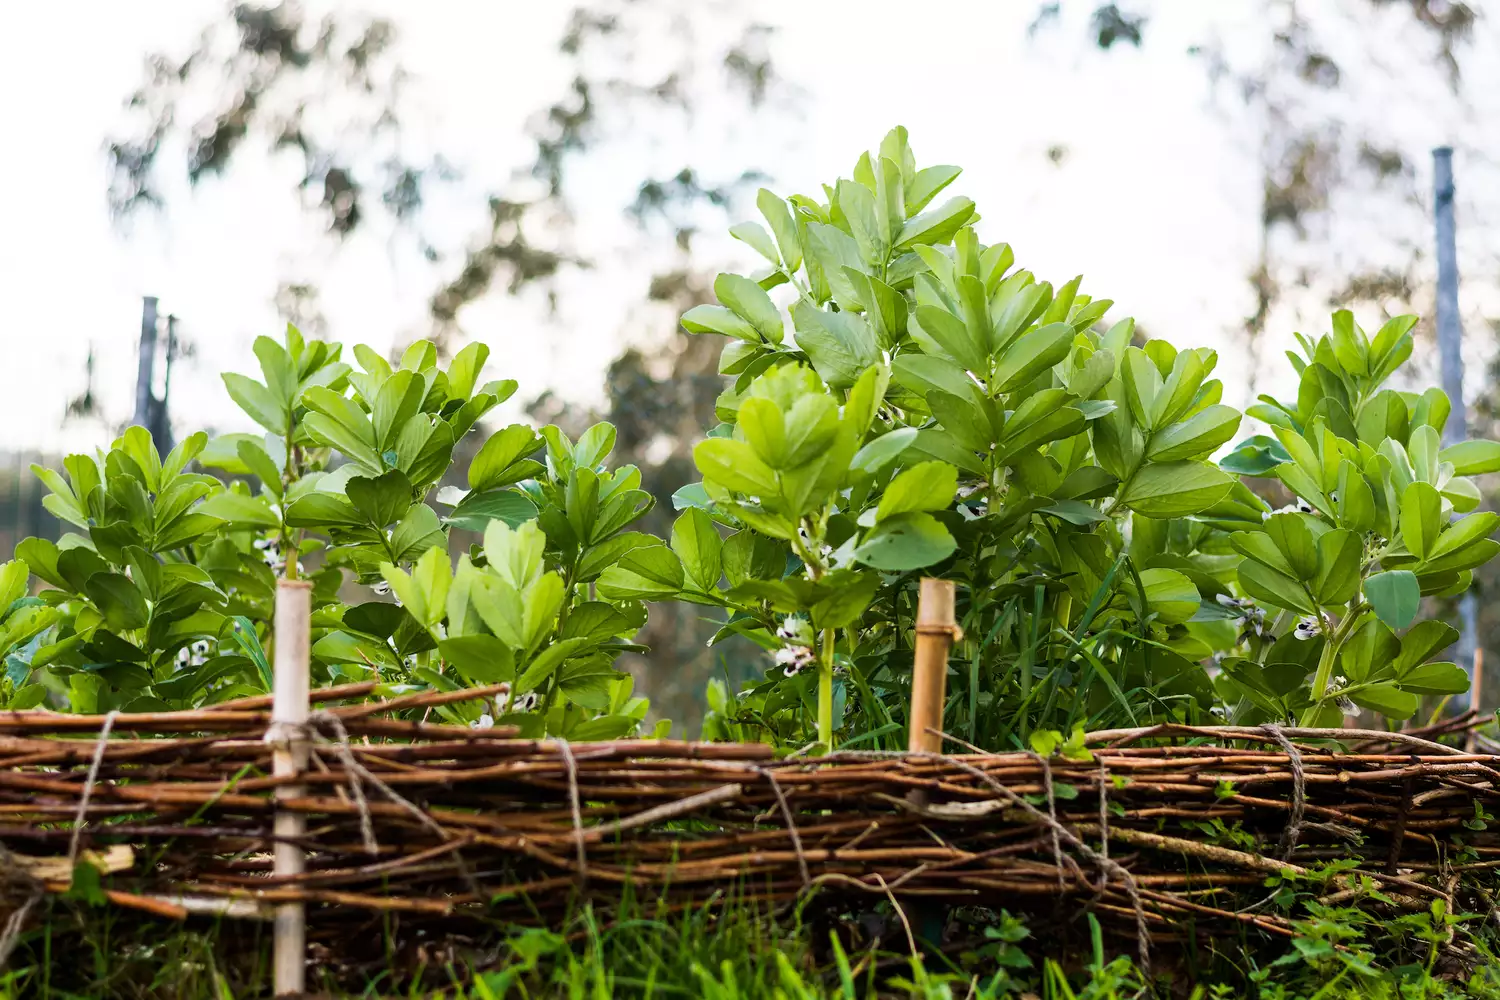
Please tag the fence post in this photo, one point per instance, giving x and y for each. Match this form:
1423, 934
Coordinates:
936, 631
146, 363
289, 757
1451, 364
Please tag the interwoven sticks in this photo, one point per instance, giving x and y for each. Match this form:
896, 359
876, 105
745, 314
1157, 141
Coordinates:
485, 826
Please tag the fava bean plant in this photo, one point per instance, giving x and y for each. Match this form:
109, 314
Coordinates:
161, 596
901, 400
938, 411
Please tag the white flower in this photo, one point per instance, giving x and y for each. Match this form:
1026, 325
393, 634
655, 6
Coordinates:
796, 630
502, 701
1303, 507
1337, 684
381, 587
483, 722
526, 702
1307, 628
793, 658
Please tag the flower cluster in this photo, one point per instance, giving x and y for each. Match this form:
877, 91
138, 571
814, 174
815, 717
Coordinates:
1252, 616
796, 632
1299, 506
503, 703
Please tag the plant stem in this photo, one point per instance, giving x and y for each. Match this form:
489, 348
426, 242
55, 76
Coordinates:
1327, 660
825, 691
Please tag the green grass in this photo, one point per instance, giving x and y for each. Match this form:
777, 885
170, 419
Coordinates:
732, 951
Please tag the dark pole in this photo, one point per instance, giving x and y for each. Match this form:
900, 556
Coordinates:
146, 364
1451, 361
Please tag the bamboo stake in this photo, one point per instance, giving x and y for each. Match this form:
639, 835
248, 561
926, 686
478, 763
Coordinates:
289, 757
936, 632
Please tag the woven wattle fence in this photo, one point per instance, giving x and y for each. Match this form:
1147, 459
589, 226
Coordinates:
341, 818
450, 825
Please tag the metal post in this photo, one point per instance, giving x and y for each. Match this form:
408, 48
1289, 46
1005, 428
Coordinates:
289, 757
1451, 361
146, 363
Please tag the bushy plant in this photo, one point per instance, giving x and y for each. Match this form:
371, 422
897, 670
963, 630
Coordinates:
903, 401
944, 413
163, 596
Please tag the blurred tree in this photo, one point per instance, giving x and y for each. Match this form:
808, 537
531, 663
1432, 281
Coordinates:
273, 80
1309, 91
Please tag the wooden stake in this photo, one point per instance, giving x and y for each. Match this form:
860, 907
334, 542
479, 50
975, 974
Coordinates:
289, 712
936, 632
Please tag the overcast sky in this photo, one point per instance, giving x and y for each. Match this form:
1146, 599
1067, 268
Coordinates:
1154, 202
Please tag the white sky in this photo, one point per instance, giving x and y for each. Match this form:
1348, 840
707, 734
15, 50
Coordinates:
1155, 202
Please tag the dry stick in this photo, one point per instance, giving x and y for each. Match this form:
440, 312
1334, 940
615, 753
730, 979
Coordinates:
791, 826
88, 788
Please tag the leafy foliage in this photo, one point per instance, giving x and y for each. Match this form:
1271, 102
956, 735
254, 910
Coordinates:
164, 596
940, 411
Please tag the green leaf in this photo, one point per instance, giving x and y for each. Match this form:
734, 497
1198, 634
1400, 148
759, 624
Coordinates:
906, 542
883, 450
1031, 354
1395, 596
257, 401
1421, 518
1267, 585
239, 510
1472, 458
925, 486
1340, 555
698, 545
651, 572
477, 510
1436, 678
1422, 640
1176, 489
751, 303
500, 461
840, 345
1196, 436
118, 600
949, 336
1170, 595
851, 595
754, 235
1387, 699
1143, 383
937, 226
735, 466
779, 218
383, 499
481, 659
717, 319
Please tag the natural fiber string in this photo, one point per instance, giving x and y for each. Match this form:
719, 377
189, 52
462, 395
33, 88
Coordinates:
577, 807
10, 934
1293, 830
791, 825
88, 787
